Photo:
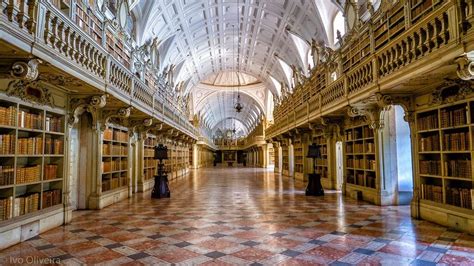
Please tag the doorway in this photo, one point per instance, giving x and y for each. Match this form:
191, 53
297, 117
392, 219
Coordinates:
80, 164
404, 158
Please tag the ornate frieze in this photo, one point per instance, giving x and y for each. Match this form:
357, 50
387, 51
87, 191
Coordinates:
452, 90
30, 91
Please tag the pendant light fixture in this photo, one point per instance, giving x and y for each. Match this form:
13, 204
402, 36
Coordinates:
238, 106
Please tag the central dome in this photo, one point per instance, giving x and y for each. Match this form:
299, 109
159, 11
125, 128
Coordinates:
230, 79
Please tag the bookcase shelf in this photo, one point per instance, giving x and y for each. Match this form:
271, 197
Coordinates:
445, 150
299, 158
114, 158
322, 163
31, 164
277, 159
285, 165
149, 163
361, 165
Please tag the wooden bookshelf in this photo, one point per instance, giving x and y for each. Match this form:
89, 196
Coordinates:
299, 155
444, 155
277, 158
285, 160
149, 163
117, 49
115, 158
358, 51
360, 165
31, 159
88, 21
322, 163
271, 156
419, 8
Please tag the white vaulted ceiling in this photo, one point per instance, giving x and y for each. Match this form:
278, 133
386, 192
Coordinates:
212, 40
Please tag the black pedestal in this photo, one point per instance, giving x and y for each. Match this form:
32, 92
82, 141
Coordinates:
314, 187
161, 189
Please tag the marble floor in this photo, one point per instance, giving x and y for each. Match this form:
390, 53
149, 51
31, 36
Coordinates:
246, 217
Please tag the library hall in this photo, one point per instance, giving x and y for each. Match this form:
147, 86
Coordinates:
237, 132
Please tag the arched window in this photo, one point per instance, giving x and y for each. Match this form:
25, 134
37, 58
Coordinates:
338, 25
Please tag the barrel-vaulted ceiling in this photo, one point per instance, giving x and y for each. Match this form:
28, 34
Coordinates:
205, 38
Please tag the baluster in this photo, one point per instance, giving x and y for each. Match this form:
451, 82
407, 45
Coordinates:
54, 31
60, 41
67, 41
47, 27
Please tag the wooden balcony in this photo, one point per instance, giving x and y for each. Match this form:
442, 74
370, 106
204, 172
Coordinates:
382, 55
49, 34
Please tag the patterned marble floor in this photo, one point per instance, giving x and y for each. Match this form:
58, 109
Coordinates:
246, 217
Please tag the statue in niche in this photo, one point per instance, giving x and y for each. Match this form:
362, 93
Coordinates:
178, 90
168, 75
315, 52
297, 76
284, 90
371, 8
339, 37
154, 54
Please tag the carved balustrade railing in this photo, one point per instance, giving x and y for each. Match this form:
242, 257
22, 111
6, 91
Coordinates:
364, 62
54, 33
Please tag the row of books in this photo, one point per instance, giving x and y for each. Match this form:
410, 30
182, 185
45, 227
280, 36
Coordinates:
319, 141
148, 173
115, 135
359, 133
360, 179
419, 10
149, 152
31, 146
7, 174
427, 122
461, 197
149, 162
430, 167
114, 165
54, 124
429, 143
53, 146
30, 120
6, 208
7, 115
458, 168
51, 198
109, 149
299, 168
432, 192
28, 174
26, 203
323, 171
321, 161
367, 147
50, 171
451, 118
7, 144
355, 163
150, 142
456, 141
110, 183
